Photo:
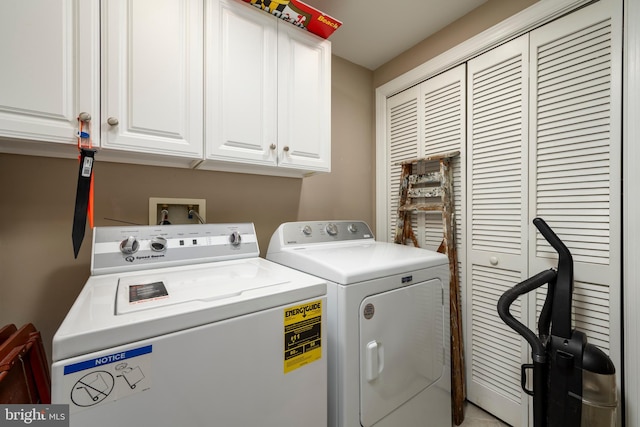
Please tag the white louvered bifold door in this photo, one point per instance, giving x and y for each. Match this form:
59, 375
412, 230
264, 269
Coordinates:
497, 117
424, 120
403, 136
575, 172
444, 130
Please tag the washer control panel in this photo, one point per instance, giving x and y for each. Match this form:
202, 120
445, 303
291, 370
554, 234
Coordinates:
295, 233
118, 249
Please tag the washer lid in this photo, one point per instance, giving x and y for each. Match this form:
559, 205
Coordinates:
196, 286
348, 262
116, 309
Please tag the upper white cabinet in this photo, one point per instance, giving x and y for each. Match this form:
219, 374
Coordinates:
304, 100
152, 77
268, 93
49, 73
214, 84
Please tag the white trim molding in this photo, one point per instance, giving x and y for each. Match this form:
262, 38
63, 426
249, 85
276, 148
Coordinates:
630, 209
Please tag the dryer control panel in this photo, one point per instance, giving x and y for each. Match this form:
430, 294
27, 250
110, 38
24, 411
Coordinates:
295, 233
132, 248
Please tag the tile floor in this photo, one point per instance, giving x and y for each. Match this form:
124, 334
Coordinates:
476, 417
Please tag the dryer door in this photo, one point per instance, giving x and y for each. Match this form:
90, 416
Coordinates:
402, 337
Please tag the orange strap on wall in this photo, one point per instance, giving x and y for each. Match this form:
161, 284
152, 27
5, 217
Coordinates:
84, 141
84, 192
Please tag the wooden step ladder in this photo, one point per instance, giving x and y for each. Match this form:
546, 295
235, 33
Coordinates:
417, 184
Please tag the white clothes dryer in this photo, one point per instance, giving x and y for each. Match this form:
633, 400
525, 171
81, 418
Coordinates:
184, 325
387, 319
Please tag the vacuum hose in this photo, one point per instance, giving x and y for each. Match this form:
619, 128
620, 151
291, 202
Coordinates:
538, 352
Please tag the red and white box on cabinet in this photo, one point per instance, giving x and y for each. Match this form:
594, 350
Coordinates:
300, 14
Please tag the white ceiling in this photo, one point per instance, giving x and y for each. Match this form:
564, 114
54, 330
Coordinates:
376, 31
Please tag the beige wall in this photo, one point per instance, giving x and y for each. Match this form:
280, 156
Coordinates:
40, 279
347, 192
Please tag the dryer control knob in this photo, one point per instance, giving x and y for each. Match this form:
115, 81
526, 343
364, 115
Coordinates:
307, 230
353, 228
235, 239
129, 245
331, 229
158, 244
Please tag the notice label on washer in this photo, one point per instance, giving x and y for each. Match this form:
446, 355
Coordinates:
107, 378
302, 335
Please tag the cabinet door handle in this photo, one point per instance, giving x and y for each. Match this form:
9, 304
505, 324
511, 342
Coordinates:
272, 146
84, 116
493, 260
286, 149
112, 121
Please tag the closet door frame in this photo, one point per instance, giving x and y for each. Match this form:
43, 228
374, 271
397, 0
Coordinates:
532, 17
630, 208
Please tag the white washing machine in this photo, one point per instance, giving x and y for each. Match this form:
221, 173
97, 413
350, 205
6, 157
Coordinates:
184, 325
387, 319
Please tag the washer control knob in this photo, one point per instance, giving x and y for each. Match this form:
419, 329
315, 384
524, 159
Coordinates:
331, 229
235, 239
129, 245
158, 244
307, 230
353, 228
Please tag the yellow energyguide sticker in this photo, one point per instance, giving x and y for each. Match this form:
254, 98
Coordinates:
302, 335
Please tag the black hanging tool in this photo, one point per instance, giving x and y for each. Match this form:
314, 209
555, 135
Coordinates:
82, 198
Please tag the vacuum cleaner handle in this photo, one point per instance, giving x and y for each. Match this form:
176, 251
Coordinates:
563, 289
505, 301
552, 238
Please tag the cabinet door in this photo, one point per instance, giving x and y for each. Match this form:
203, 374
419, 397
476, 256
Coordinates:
242, 97
304, 100
152, 81
49, 71
496, 227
